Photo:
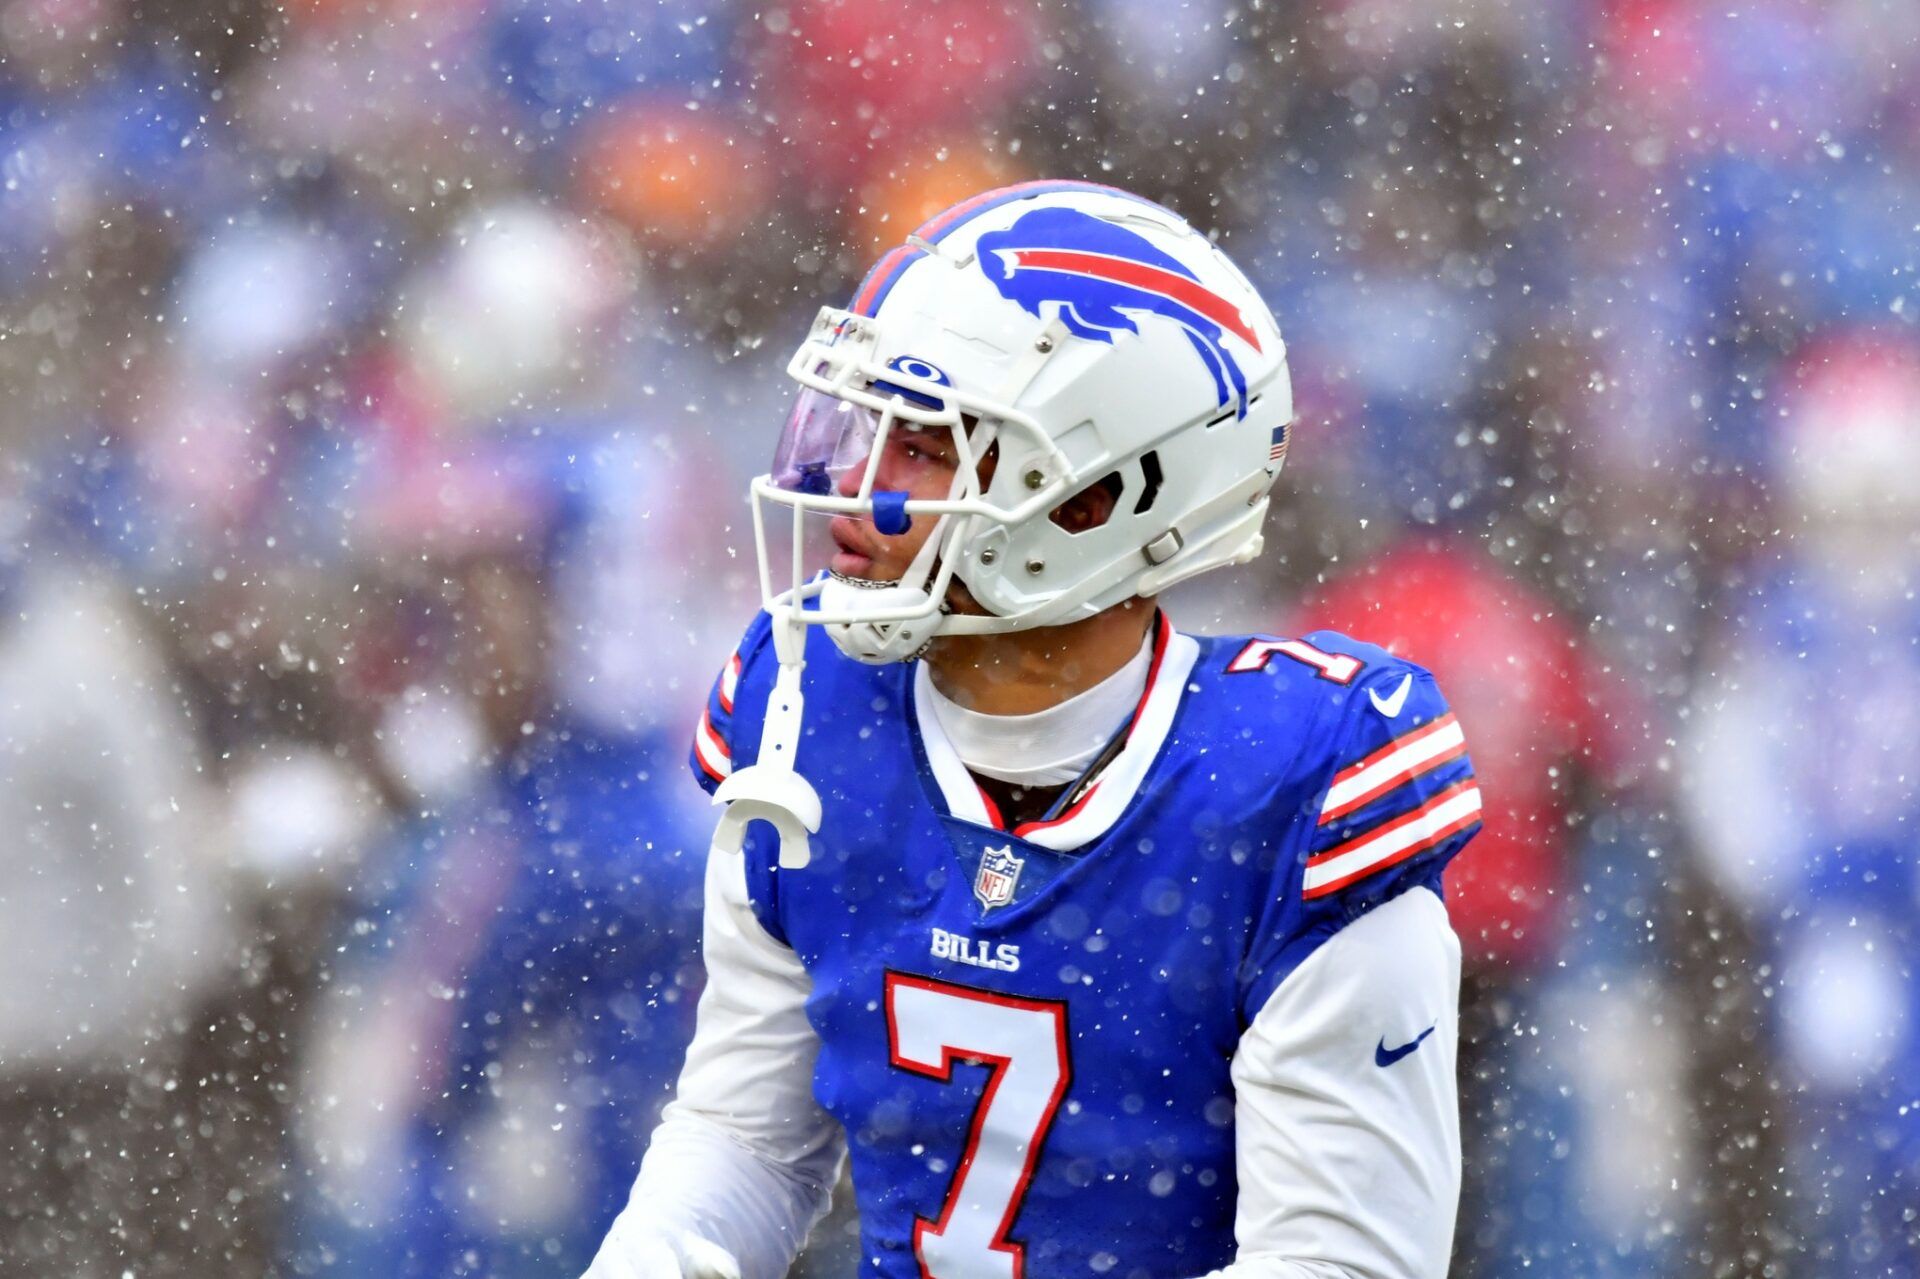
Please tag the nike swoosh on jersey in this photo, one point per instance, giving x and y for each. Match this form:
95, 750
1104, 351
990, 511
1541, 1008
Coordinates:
1384, 1056
1391, 705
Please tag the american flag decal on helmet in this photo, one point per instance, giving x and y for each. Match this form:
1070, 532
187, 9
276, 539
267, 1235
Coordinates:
1278, 453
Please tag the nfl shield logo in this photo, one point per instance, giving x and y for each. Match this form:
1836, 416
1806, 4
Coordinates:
999, 872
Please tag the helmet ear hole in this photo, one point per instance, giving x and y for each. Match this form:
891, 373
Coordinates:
1152, 477
1091, 507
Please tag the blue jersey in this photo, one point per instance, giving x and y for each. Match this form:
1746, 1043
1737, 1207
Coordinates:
1027, 1032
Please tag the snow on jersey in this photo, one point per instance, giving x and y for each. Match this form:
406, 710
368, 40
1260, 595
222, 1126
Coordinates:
1027, 1033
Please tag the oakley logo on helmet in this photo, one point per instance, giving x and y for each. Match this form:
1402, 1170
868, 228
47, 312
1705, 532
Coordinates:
1094, 271
914, 367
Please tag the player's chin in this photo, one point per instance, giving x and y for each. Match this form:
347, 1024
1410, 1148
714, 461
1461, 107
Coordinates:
855, 568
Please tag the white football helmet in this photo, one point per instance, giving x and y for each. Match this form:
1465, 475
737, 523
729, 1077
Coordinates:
1087, 333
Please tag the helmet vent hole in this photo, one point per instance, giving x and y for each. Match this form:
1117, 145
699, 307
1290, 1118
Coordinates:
1232, 413
1152, 476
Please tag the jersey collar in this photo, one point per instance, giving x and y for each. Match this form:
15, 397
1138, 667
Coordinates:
1095, 812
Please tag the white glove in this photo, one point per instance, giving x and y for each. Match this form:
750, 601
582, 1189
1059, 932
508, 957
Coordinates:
651, 1255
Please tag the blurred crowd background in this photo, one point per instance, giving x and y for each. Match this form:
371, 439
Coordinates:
378, 386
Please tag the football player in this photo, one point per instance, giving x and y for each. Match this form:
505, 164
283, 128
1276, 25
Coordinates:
1098, 947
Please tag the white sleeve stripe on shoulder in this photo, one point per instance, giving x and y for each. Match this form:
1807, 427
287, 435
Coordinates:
1446, 814
1402, 760
711, 750
1406, 739
729, 683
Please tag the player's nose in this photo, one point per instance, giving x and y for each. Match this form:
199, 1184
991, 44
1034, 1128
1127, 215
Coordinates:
848, 483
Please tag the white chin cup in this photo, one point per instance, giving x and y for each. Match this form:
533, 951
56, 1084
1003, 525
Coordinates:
878, 643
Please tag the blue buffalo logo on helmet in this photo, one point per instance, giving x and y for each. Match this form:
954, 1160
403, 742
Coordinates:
1095, 272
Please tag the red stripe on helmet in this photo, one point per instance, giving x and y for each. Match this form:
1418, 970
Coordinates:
1141, 275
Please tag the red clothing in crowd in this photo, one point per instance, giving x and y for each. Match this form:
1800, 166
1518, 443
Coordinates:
1529, 696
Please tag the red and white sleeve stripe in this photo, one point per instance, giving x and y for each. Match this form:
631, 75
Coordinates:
729, 681
1448, 813
711, 750
1395, 764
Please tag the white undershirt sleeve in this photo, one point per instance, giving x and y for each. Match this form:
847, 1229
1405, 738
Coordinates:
744, 1157
1348, 1145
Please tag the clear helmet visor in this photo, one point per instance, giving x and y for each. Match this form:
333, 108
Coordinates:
825, 437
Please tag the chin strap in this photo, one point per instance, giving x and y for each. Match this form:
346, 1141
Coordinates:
769, 790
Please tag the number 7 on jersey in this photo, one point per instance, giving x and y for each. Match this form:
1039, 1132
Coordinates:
931, 1025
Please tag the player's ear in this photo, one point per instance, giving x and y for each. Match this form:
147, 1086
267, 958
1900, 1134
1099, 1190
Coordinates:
1090, 507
